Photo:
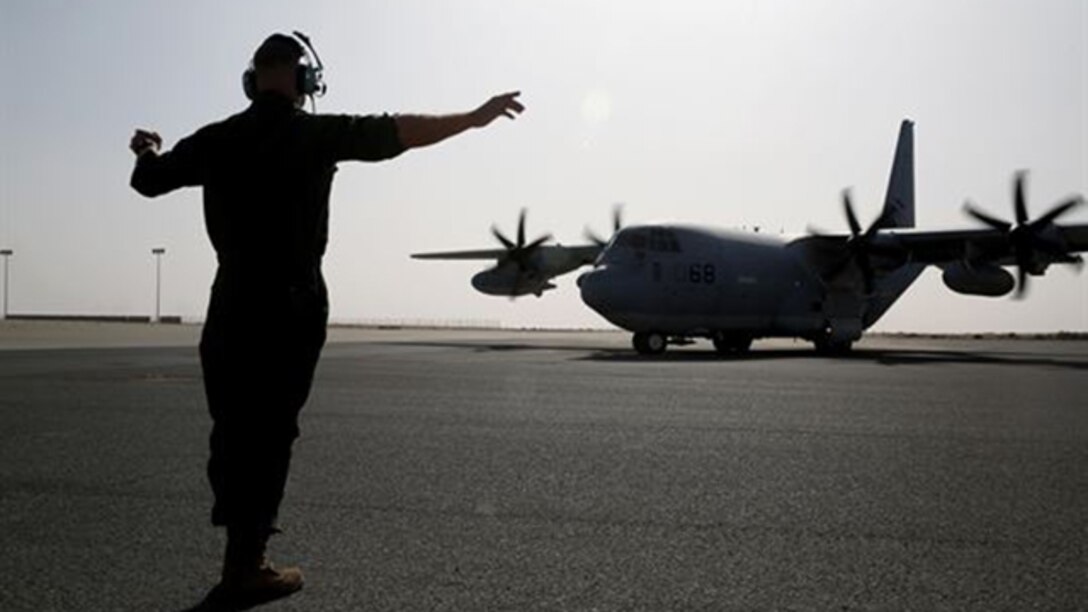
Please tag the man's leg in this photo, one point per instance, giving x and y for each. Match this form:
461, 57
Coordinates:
229, 463
255, 392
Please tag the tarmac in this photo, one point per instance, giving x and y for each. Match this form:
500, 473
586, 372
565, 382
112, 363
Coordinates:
513, 470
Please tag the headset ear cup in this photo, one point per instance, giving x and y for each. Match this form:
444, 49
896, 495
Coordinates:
301, 82
306, 79
249, 83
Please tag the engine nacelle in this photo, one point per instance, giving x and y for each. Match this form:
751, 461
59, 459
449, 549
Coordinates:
511, 282
978, 279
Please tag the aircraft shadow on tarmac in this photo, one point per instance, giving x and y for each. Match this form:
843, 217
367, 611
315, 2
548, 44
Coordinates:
888, 357
881, 356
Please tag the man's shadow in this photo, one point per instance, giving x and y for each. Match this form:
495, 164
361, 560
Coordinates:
208, 604
204, 605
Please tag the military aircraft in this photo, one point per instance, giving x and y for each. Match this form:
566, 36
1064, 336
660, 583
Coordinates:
670, 283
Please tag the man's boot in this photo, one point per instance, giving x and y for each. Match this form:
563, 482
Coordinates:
248, 578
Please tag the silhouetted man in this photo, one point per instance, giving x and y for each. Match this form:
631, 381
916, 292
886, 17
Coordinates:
266, 174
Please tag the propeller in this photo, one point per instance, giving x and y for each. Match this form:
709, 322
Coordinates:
859, 247
519, 252
617, 222
1026, 237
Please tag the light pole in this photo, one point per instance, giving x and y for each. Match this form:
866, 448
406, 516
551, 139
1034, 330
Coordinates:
6, 253
158, 253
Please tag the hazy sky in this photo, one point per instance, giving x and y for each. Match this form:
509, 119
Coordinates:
723, 113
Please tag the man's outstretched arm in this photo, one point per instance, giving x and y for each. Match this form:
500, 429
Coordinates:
155, 173
421, 130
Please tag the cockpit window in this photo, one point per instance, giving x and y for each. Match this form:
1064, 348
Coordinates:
636, 240
656, 239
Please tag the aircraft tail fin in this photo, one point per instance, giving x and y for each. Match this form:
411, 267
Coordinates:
899, 201
898, 213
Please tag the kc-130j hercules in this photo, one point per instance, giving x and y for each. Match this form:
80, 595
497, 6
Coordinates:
669, 283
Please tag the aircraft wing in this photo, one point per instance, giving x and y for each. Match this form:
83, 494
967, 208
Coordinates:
938, 247
1056, 243
480, 254
585, 254
522, 270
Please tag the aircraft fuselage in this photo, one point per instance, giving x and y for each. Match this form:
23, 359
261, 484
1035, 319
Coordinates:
694, 282
713, 282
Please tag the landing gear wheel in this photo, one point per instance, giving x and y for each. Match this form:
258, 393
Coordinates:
731, 343
826, 346
649, 343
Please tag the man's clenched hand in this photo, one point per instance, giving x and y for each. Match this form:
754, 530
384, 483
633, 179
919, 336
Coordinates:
143, 141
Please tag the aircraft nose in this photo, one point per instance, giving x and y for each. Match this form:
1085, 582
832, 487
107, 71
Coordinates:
594, 288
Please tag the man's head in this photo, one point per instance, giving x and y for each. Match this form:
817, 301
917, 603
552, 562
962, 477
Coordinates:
278, 67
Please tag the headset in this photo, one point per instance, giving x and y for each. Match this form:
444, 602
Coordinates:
309, 75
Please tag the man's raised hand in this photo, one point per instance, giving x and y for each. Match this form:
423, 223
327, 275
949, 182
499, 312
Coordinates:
505, 105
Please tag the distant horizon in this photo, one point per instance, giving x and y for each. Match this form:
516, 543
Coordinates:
498, 326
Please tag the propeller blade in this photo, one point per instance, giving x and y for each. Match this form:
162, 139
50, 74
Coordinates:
503, 239
867, 277
879, 223
1023, 260
1057, 211
1021, 282
997, 224
515, 289
851, 218
521, 229
536, 243
1032, 249
617, 222
1018, 198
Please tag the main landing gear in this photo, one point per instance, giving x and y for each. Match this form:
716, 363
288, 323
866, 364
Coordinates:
649, 343
725, 343
827, 346
731, 343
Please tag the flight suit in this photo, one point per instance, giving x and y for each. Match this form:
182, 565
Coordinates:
266, 174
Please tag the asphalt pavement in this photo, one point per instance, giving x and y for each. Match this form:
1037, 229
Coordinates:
471, 470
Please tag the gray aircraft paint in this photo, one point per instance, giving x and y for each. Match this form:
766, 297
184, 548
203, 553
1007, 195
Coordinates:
680, 281
746, 283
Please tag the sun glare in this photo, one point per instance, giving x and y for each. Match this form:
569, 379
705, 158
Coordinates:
596, 106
